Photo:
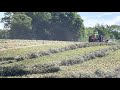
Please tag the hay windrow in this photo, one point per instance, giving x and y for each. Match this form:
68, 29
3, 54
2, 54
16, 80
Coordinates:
89, 56
32, 55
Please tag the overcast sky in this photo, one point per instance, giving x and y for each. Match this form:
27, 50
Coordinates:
92, 18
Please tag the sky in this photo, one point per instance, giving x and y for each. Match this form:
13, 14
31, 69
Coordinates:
1, 24
103, 18
92, 18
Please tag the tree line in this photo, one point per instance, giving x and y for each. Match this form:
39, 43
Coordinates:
66, 26
108, 31
44, 25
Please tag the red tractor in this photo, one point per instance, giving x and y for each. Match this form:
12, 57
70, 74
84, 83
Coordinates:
96, 38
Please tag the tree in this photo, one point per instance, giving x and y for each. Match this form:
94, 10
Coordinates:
7, 20
115, 31
40, 24
4, 34
45, 25
88, 32
104, 30
66, 25
20, 26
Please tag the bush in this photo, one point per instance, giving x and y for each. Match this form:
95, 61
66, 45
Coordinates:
13, 70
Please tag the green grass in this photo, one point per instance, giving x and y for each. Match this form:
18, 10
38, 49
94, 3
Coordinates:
20, 43
23, 51
22, 47
107, 63
58, 56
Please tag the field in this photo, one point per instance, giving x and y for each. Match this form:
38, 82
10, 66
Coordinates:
58, 59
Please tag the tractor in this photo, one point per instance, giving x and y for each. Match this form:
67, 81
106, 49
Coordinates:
96, 37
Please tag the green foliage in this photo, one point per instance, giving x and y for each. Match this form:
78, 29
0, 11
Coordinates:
104, 30
20, 26
4, 34
67, 25
40, 24
88, 32
44, 25
52, 26
107, 31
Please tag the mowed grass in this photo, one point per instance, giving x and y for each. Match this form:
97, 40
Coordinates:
25, 50
58, 57
107, 63
21, 47
8, 43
